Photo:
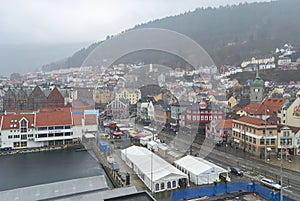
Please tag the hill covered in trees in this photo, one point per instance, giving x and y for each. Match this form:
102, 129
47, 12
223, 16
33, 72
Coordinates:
229, 34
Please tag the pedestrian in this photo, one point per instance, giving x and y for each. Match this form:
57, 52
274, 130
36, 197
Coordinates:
215, 181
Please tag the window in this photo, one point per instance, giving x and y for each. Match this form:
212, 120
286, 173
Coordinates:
42, 135
68, 133
174, 184
24, 126
23, 144
30, 135
273, 141
169, 184
10, 137
162, 185
23, 137
262, 141
16, 144
59, 127
16, 136
254, 140
270, 131
156, 187
58, 134
42, 128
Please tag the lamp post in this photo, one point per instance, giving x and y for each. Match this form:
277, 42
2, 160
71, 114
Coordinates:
281, 196
191, 146
265, 142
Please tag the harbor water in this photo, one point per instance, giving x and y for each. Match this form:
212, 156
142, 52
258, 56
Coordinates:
27, 169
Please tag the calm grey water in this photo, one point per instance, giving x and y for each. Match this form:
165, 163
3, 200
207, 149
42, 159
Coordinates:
29, 169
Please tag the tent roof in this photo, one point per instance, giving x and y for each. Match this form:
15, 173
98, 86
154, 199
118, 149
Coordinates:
150, 164
198, 165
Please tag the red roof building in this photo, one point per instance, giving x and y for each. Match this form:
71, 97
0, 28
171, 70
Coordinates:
254, 135
33, 129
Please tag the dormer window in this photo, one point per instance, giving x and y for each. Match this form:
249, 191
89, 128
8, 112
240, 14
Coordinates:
23, 126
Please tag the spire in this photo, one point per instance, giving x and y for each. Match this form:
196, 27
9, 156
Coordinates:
257, 73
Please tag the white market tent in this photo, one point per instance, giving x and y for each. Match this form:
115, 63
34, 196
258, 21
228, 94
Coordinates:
157, 174
199, 170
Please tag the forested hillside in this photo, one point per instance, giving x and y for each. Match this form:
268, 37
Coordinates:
229, 34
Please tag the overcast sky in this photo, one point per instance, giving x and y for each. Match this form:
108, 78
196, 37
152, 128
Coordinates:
69, 21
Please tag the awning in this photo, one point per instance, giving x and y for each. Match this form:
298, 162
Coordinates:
117, 133
222, 135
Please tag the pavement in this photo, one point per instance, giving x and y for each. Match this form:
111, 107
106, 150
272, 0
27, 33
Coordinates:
293, 165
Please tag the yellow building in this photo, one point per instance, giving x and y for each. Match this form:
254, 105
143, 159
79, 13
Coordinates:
102, 96
133, 95
249, 134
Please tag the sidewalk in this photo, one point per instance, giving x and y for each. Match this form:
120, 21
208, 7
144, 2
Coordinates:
294, 165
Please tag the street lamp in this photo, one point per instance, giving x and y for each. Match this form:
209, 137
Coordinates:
281, 173
266, 110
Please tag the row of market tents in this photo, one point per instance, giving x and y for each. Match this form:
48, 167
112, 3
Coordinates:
159, 175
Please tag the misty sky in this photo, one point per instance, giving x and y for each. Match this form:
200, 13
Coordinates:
69, 21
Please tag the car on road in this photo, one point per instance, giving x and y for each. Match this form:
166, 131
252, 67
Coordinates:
270, 183
236, 171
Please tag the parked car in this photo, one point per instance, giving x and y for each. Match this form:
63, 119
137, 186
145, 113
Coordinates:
236, 171
270, 183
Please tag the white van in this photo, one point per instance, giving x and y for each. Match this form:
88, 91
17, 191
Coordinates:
152, 146
145, 140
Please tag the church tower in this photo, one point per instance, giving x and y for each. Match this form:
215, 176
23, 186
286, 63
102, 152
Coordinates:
257, 89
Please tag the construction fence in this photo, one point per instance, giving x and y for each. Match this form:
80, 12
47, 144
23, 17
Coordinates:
227, 188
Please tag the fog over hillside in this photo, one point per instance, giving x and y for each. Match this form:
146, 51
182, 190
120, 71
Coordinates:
30, 57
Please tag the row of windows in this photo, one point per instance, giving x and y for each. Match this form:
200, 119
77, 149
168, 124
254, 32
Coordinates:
253, 139
250, 129
205, 117
53, 134
286, 141
204, 112
23, 137
286, 134
20, 144
53, 128
262, 141
22, 130
161, 186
